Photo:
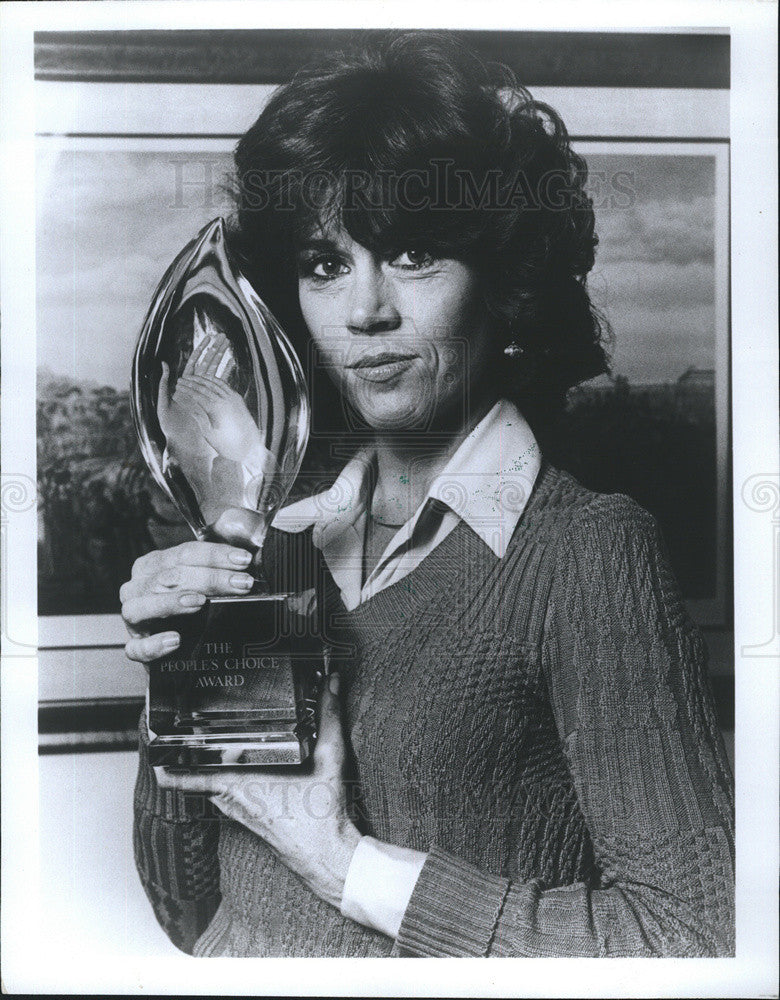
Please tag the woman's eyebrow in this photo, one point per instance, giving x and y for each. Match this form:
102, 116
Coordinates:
317, 244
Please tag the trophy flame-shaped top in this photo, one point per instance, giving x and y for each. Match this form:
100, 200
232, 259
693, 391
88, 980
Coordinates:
219, 396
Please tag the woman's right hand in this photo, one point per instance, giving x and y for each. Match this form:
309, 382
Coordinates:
177, 581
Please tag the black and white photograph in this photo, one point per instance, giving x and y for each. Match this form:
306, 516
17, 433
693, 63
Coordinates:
390, 500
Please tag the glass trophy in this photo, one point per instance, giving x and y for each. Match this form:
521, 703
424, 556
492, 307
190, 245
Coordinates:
222, 416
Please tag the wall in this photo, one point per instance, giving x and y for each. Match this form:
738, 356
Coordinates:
89, 887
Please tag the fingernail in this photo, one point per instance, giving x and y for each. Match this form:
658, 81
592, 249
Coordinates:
170, 640
241, 581
192, 600
240, 557
333, 683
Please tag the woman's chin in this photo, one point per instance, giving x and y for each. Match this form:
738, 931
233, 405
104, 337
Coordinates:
395, 417
392, 407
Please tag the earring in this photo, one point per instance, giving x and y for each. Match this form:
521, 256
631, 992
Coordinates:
513, 350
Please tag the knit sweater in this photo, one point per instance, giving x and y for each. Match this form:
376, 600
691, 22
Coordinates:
541, 724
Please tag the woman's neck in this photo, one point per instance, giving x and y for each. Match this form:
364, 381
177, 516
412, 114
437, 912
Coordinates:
406, 466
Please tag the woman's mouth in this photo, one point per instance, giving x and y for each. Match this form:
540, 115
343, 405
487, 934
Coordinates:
381, 367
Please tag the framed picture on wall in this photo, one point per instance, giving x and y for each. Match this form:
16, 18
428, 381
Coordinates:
656, 430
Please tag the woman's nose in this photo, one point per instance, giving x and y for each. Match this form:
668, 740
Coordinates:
371, 308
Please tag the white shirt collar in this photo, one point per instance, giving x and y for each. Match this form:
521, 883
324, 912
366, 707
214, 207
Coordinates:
486, 483
489, 479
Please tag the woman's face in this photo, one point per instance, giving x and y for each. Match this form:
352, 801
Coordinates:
405, 337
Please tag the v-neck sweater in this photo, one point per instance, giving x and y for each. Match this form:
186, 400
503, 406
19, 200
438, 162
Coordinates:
540, 724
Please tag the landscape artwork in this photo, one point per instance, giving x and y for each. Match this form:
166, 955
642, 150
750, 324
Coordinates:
112, 219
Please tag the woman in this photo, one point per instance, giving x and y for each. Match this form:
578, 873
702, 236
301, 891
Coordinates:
524, 711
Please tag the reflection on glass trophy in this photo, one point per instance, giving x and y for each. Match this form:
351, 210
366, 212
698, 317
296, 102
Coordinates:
222, 416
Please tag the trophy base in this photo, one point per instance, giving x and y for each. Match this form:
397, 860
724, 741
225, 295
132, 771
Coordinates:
241, 688
246, 752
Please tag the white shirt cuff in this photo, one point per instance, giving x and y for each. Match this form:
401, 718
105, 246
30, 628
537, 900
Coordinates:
379, 884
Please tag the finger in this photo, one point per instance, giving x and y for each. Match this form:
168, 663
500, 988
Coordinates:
144, 649
233, 805
135, 631
225, 803
197, 357
182, 580
211, 384
226, 366
204, 361
138, 612
128, 589
204, 381
163, 401
202, 389
329, 751
191, 781
201, 579
161, 598
197, 353
218, 356
217, 555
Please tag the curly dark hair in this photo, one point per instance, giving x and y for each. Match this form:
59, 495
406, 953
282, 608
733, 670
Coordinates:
413, 141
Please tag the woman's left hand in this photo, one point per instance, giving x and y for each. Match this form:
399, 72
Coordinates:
302, 817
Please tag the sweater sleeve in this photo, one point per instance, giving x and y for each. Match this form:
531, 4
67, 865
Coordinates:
175, 839
627, 677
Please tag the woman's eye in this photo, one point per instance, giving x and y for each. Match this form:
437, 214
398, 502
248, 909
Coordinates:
413, 260
322, 268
